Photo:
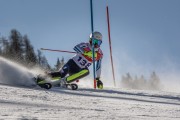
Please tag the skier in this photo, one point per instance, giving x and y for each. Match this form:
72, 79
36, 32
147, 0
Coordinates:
77, 66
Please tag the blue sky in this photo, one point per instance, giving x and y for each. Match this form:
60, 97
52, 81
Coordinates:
145, 33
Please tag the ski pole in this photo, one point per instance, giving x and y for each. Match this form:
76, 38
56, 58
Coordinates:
57, 50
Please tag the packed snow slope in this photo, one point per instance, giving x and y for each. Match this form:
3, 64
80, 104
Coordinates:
87, 104
20, 99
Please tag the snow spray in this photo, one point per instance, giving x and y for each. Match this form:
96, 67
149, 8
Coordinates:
12, 73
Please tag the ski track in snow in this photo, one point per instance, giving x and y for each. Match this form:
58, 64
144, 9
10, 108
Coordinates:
87, 104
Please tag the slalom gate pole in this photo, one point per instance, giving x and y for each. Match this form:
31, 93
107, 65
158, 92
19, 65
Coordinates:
57, 50
92, 30
109, 36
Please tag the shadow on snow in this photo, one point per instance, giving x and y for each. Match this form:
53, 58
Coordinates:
118, 93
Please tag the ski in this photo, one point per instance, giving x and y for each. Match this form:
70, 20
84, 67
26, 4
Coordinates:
49, 84
72, 86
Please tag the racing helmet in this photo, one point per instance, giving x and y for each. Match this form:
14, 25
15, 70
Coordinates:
96, 37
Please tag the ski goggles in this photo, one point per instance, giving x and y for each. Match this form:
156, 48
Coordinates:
97, 42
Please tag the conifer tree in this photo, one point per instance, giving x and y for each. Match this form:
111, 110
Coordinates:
16, 46
42, 61
62, 62
5, 47
58, 64
154, 81
30, 56
19, 49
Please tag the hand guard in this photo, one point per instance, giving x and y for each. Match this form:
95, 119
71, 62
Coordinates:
99, 83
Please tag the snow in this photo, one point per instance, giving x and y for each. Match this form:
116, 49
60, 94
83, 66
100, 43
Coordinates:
21, 100
36, 103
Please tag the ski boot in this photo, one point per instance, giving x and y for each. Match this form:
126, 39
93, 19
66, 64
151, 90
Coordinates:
99, 83
41, 81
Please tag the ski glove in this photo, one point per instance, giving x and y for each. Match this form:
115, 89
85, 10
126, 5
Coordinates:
99, 83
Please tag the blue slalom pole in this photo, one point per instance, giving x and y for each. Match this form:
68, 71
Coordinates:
92, 30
